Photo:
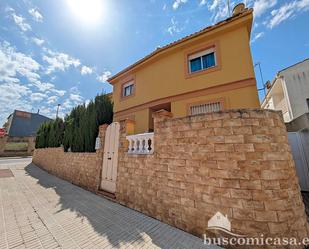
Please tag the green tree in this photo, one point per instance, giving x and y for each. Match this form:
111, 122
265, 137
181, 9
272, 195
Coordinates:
39, 141
104, 109
79, 129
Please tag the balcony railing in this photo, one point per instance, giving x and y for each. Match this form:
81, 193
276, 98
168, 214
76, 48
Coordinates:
141, 143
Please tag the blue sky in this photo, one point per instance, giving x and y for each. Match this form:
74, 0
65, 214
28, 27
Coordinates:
53, 51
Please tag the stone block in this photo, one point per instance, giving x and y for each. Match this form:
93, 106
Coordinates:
224, 147
269, 216
258, 139
244, 147
250, 184
215, 139
241, 194
229, 183
243, 214
232, 122
234, 139
278, 228
231, 164
223, 131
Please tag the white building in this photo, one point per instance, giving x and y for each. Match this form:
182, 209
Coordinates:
289, 91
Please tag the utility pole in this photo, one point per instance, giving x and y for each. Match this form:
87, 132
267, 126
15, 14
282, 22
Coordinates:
261, 74
229, 7
57, 110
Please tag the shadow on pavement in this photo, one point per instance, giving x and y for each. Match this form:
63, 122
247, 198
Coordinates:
115, 222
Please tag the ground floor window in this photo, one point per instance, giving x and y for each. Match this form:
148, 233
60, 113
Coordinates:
205, 108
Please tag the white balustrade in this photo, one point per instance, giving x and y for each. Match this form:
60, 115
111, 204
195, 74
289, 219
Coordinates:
141, 143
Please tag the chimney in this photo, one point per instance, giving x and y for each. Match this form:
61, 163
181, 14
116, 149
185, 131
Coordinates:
239, 8
38, 111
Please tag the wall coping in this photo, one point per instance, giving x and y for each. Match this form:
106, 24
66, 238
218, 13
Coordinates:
67, 153
241, 111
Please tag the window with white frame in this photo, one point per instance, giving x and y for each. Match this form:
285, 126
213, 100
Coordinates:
205, 108
202, 60
128, 89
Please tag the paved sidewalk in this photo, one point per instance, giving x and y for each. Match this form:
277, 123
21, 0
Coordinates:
38, 210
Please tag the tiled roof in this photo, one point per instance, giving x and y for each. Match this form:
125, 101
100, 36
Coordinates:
25, 124
172, 44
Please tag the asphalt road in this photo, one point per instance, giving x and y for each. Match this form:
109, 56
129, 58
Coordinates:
14, 160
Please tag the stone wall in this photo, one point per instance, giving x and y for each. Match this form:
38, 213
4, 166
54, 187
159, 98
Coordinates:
2, 144
82, 169
236, 162
5, 153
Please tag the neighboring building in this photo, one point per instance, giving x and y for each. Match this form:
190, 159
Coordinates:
289, 91
21, 128
207, 71
24, 124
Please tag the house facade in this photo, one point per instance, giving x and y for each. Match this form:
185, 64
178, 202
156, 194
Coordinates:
289, 92
210, 70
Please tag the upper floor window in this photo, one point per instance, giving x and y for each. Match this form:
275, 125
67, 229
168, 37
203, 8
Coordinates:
128, 89
202, 60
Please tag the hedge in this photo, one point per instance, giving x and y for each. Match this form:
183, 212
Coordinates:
78, 131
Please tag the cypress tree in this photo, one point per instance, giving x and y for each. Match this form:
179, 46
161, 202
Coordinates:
104, 109
68, 132
39, 141
79, 129
51, 134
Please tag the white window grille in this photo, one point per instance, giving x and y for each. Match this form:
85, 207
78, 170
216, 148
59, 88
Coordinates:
205, 108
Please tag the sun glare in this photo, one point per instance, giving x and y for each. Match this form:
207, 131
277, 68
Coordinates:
87, 11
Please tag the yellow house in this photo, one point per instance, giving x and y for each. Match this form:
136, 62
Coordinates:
207, 71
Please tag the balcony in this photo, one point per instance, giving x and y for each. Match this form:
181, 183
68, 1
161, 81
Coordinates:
141, 144
281, 105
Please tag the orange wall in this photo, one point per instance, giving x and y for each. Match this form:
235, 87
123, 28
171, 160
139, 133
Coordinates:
164, 76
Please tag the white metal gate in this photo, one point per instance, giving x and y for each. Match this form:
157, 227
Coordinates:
110, 158
298, 142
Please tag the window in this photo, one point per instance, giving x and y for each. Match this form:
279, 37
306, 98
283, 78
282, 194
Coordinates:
202, 60
205, 108
128, 89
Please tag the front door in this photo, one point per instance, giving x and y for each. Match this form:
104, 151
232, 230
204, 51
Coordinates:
110, 158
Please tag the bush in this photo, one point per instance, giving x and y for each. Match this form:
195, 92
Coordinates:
79, 129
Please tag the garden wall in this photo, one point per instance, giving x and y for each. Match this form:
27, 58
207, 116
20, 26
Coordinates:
237, 162
82, 169
16, 146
